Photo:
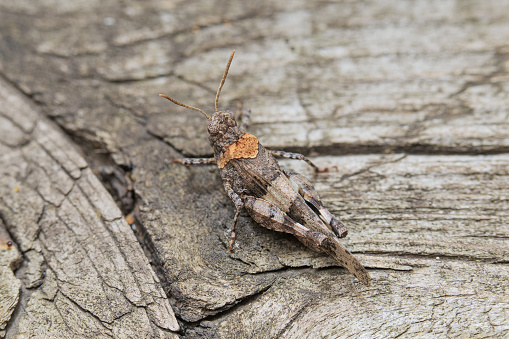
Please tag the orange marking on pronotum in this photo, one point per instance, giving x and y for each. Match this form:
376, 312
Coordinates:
245, 147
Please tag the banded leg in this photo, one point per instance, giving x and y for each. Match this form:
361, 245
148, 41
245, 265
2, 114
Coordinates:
307, 191
298, 156
239, 205
242, 116
271, 217
196, 161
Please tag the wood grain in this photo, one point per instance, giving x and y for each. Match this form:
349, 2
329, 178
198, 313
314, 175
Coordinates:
84, 272
407, 99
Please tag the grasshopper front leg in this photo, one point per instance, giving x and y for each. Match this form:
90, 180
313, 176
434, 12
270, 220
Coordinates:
196, 161
239, 205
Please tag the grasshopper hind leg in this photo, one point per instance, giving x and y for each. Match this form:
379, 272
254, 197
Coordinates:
271, 217
307, 191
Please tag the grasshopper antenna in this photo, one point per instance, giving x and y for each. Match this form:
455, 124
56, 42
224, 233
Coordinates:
184, 105
224, 78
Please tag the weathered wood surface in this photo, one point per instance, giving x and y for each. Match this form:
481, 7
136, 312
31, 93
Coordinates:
408, 99
83, 271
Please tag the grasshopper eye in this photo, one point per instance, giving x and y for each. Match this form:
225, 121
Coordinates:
231, 122
213, 129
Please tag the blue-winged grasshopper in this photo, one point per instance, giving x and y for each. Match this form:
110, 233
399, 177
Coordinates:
277, 199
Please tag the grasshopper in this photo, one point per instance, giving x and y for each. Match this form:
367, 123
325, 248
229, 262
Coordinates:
277, 199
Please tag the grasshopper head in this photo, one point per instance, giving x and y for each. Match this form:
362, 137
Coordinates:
222, 128
220, 122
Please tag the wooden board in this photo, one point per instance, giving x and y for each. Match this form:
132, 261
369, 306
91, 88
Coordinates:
407, 99
83, 272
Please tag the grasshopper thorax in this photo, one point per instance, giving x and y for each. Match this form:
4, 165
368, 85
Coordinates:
228, 140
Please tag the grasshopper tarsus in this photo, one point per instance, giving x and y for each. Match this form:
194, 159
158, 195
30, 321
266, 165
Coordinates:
326, 169
232, 241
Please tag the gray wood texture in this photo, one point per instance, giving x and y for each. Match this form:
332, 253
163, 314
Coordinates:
408, 99
83, 272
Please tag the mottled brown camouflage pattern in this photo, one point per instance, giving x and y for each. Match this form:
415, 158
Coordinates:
280, 200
